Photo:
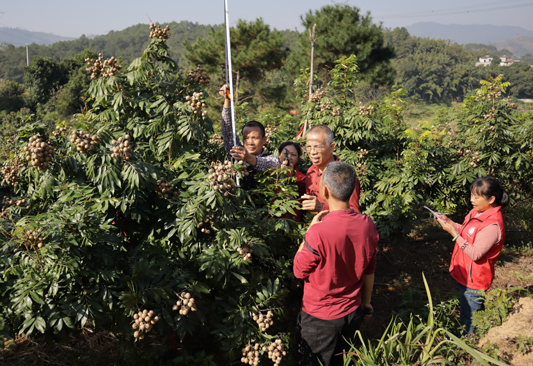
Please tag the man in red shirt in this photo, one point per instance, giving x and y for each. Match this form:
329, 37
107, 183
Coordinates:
336, 259
320, 148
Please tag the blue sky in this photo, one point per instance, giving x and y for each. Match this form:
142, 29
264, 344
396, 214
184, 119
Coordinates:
73, 18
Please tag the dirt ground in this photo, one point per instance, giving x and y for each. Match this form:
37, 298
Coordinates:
399, 289
518, 327
511, 336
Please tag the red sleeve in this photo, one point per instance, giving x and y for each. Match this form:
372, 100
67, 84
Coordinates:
307, 259
373, 239
354, 199
371, 268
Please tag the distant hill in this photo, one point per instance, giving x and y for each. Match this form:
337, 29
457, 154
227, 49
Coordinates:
21, 37
463, 34
518, 46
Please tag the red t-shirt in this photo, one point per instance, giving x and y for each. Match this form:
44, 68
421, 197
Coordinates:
337, 253
311, 180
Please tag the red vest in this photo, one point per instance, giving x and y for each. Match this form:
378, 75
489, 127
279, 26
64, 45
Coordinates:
477, 275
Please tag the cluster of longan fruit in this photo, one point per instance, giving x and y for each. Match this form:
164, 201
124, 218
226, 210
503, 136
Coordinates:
216, 139
489, 115
6, 202
185, 304
264, 321
336, 111
101, 67
366, 111
160, 33
202, 225
39, 153
121, 148
246, 251
196, 104
250, 354
323, 106
84, 142
276, 351
317, 96
143, 322
361, 163
221, 177
199, 75
269, 132
11, 171
60, 131
165, 189
33, 238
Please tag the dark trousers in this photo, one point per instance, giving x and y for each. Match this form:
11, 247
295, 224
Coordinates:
324, 340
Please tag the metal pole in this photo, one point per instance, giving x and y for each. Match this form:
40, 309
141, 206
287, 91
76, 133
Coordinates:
229, 76
27, 56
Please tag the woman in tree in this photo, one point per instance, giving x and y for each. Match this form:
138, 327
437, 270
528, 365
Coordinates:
289, 156
478, 243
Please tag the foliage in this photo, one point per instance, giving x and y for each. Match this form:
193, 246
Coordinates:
498, 305
257, 56
433, 70
42, 78
415, 344
255, 49
112, 246
342, 31
524, 344
402, 169
11, 98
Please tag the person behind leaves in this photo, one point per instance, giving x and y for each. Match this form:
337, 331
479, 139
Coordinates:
320, 147
253, 154
289, 155
478, 244
336, 260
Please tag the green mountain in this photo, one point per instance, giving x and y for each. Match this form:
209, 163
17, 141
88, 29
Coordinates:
519, 46
21, 37
126, 44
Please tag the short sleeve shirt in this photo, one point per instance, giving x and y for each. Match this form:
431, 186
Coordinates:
337, 253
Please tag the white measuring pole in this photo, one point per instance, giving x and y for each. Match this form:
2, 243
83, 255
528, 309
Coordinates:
229, 75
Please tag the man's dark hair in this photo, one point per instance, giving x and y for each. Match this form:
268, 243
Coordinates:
340, 178
325, 130
290, 143
488, 187
255, 124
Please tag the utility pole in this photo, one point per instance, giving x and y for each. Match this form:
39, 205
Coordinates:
27, 56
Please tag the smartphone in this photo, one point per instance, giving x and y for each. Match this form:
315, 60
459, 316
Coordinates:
434, 213
287, 161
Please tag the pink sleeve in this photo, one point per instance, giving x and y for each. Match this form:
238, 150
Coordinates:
485, 239
456, 226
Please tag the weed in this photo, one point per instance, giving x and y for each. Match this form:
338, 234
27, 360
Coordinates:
416, 344
498, 304
523, 278
524, 344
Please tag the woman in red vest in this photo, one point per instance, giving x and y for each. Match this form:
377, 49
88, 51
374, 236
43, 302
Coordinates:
478, 243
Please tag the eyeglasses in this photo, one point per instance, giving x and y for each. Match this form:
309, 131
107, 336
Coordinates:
316, 148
